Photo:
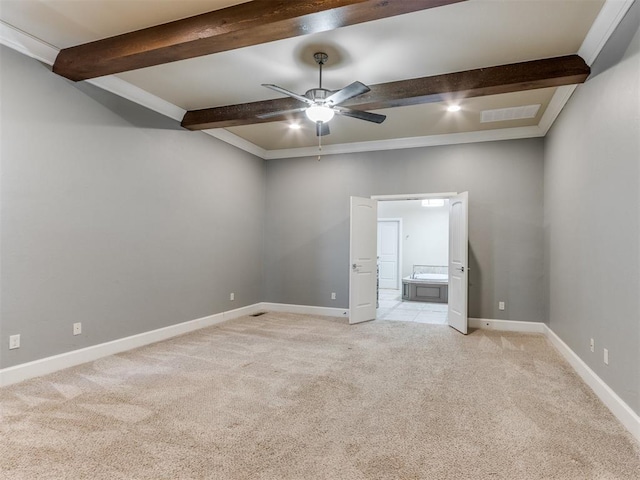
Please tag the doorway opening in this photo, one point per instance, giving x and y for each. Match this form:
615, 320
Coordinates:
363, 288
413, 259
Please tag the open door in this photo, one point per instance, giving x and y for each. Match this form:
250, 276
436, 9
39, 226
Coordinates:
363, 262
458, 261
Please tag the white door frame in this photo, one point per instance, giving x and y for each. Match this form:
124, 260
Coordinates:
399, 220
413, 196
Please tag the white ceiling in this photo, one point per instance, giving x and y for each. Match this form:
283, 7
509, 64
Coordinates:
462, 36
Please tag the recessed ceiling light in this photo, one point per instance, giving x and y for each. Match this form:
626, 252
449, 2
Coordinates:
295, 126
453, 108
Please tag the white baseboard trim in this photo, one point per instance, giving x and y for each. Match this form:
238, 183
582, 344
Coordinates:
43, 366
305, 309
25, 371
241, 312
618, 407
507, 325
623, 412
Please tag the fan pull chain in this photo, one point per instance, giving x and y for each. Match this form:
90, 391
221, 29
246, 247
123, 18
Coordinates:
319, 147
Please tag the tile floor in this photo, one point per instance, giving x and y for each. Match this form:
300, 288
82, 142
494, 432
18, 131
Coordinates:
391, 307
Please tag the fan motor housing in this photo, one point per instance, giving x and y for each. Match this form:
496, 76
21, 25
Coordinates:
318, 94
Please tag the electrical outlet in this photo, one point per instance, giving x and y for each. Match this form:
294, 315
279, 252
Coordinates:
232, 296
333, 295
500, 305
606, 356
14, 342
77, 328
593, 345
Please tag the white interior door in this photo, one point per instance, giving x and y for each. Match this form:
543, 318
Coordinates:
458, 261
363, 265
389, 253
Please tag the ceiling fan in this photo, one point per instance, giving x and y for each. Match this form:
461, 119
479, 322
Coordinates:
323, 104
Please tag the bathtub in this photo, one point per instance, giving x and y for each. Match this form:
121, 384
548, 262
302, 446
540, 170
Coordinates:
426, 287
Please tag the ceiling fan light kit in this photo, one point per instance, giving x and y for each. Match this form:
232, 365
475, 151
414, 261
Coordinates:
319, 113
323, 104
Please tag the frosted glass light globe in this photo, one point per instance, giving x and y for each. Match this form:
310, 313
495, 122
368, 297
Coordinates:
319, 113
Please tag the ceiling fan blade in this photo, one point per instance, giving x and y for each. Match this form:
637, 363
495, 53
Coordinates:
281, 112
322, 129
360, 115
350, 91
289, 93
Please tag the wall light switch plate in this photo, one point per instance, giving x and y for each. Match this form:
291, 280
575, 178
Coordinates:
77, 328
232, 296
593, 345
333, 295
606, 357
500, 305
14, 342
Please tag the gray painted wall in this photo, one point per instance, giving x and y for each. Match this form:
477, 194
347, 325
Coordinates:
115, 217
307, 225
592, 215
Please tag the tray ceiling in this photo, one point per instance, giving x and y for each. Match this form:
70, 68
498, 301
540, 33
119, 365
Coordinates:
472, 34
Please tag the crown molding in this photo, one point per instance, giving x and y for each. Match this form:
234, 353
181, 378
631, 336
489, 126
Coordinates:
27, 44
411, 142
46, 53
236, 141
557, 103
606, 22
611, 14
137, 95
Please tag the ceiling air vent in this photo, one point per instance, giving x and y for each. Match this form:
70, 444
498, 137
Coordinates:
513, 113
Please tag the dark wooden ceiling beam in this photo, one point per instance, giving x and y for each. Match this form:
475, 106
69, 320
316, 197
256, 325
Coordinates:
516, 77
246, 24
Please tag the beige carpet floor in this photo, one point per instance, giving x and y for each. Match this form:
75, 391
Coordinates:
285, 396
